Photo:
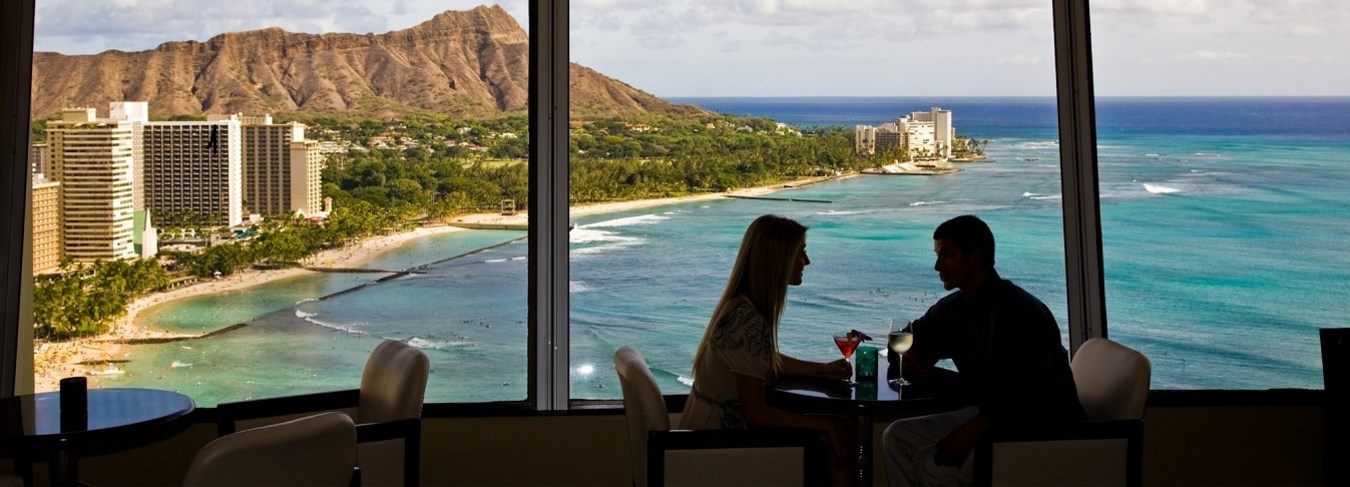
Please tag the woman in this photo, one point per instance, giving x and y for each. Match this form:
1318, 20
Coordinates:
739, 353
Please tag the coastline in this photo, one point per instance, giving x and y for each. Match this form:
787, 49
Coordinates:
96, 356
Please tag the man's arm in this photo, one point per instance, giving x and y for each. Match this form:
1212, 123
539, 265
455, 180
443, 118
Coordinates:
924, 354
1029, 365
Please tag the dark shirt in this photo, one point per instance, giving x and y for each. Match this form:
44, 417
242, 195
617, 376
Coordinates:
1006, 345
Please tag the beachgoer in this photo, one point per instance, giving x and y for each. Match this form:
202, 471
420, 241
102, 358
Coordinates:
739, 353
1005, 345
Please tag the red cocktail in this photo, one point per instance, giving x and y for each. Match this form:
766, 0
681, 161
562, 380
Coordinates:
847, 342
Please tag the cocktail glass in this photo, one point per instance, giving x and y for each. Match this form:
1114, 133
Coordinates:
847, 342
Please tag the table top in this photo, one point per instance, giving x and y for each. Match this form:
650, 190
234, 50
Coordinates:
873, 396
113, 414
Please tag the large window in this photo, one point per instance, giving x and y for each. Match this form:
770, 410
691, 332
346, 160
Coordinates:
800, 101
1224, 137
367, 187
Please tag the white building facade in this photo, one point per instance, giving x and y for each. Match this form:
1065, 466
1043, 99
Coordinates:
137, 113
920, 134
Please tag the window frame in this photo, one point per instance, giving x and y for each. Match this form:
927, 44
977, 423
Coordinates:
16, 279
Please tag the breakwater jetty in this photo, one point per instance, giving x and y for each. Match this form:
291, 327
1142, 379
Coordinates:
771, 198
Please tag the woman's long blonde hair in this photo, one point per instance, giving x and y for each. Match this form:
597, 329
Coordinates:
762, 272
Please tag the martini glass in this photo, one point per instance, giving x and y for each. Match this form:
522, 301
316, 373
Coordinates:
847, 341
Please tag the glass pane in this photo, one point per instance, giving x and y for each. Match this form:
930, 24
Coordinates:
310, 190
768, 99
1224, 132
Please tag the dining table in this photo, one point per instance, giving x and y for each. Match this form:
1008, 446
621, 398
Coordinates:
862, 400
115, 419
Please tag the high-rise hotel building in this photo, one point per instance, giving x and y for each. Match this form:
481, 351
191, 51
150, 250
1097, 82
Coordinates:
38, 159
47, 242
931, 131
93, 160
281, 168
138, 113
918, 133
196, 169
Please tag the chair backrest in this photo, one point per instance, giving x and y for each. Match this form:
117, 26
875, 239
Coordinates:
393, 383
643, 406
315, 450
1112, 380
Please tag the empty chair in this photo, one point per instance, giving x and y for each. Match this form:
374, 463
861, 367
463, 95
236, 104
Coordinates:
1107, 449
317, 450
661, 456
388, 406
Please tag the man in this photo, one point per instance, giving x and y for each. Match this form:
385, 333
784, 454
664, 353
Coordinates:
1005, 344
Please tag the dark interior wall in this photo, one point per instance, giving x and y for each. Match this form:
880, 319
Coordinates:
1211, 445
1256, 445
544, 450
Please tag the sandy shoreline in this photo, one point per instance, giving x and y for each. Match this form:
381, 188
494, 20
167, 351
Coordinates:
97, 356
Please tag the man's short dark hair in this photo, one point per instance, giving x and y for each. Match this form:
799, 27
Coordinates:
969, 233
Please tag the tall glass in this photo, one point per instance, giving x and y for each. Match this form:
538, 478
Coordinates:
899, 340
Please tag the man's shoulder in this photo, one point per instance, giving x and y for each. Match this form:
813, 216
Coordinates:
1010, 290
1011, 294
946, 302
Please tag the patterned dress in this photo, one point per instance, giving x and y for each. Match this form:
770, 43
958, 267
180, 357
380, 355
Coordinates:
741, 344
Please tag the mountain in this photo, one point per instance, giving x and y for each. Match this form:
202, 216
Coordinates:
464, 63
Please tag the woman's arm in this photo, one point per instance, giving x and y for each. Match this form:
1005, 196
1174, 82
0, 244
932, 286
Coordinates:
758, 414
836, 370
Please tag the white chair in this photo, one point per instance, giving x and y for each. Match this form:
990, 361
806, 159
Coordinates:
661, 456
388, 406
317, 450
1107, 449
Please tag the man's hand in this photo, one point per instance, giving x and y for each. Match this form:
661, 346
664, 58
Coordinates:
955, 448
913, 369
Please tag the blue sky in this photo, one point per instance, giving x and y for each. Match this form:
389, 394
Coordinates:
823, 47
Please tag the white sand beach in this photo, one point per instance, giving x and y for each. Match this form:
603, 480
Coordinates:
55, 360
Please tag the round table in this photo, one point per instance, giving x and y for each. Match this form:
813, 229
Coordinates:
863, 402
117, 419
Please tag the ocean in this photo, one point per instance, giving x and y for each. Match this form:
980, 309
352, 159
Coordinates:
1222, 221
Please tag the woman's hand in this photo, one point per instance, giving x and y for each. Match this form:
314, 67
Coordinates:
836, 370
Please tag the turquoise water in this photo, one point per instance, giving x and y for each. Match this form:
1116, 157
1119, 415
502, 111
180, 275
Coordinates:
1221, 230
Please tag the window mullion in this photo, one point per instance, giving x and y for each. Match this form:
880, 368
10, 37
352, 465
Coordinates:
1078, 173
549, 205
